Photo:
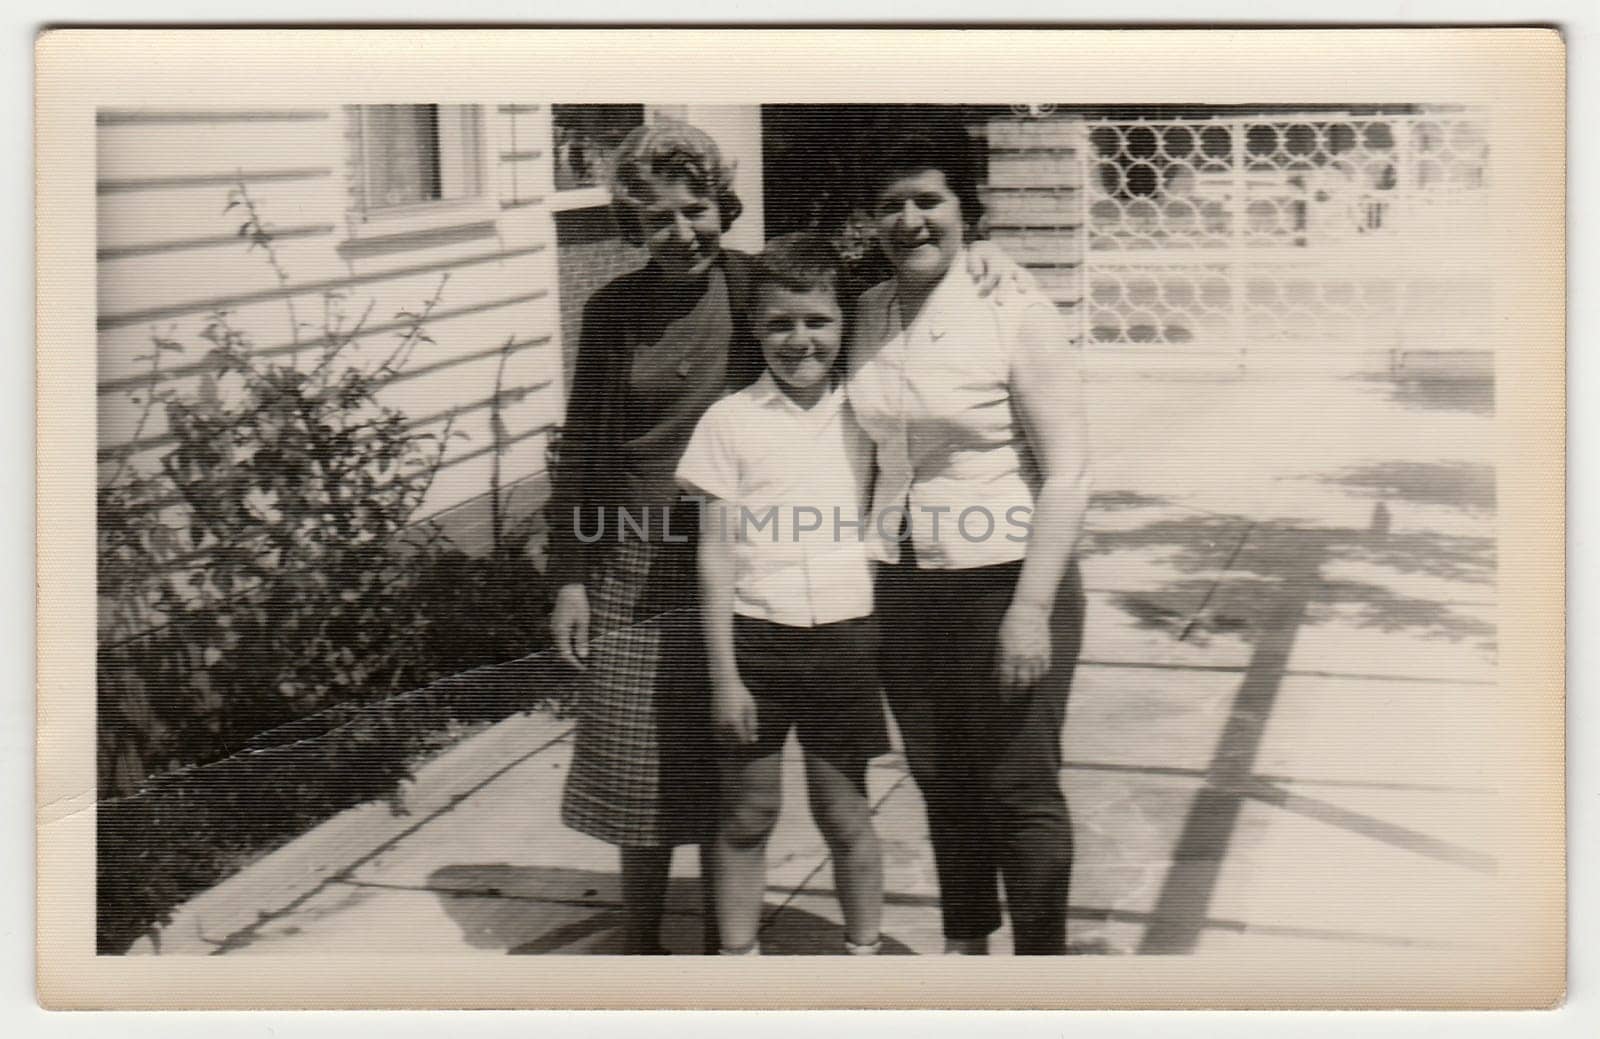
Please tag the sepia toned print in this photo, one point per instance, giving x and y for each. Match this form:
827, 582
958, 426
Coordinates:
399, 623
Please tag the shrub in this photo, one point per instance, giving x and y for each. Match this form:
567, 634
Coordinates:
276, 543
274, 550
268, 589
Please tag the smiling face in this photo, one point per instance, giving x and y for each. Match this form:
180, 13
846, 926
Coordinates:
800, 333
682, 228
919, 225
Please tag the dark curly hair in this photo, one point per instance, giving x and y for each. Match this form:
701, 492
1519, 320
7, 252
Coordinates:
670, 151
947, 149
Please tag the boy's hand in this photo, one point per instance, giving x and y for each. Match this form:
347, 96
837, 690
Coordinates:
993, 270
1022, 656
569, 624
733, 714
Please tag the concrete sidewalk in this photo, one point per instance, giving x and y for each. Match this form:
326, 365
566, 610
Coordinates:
1276, 737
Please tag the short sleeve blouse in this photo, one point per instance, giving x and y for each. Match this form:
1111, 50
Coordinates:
936, 398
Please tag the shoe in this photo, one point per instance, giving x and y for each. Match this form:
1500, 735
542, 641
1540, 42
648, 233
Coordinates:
966, 946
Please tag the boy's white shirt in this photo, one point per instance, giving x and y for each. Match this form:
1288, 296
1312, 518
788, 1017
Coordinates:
757, 450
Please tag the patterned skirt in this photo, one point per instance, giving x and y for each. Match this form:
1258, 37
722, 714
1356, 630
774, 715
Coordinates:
643, 771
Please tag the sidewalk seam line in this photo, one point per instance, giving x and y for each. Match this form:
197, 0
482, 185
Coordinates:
231, 941
826, 858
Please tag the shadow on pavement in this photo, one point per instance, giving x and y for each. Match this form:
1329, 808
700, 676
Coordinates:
536, 910
1264, 582
1232, 569
1473, 394
1260, 582
1465, 486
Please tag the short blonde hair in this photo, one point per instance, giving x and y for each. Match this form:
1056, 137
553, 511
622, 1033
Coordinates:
671, 151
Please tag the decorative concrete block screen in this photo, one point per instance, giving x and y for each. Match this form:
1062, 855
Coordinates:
1318, 240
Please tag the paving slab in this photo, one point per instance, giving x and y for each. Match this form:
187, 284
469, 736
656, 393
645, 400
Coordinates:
279, 880
1344, 880
1277, 741
1380, 731
1156, 718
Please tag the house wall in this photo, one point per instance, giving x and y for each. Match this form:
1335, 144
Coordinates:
737, 131
1033, 204
509, 274
169, 256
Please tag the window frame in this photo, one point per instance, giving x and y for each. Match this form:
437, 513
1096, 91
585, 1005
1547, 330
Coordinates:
471, 149
589, 196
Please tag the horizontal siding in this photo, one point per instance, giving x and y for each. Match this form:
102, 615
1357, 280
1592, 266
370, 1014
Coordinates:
470, 524
1062, 284
1033, 200
463, 481
1050, 207
169, 254
521, 285
157, 247
124, 346
1041, 247
138, 289
143, 151
477, 327
239, 282
458, 375
130, 219
1028, 134
523, 171
1035, 169
468, 457
184, 181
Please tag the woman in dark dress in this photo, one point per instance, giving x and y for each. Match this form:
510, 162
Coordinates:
658, 346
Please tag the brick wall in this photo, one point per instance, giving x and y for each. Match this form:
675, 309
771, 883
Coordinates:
589, 253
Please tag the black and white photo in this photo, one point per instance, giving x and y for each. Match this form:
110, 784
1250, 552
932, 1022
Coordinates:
1088, 522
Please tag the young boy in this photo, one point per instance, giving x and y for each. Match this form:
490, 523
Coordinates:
786, 594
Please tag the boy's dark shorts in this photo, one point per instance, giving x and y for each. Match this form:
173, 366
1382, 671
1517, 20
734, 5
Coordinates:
822, 682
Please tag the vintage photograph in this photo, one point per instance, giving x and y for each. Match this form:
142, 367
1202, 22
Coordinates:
541, 527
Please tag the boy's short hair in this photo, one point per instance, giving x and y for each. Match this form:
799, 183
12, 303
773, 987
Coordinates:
802, 261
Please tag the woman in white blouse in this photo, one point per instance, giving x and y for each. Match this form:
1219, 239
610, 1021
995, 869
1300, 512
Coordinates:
975, 406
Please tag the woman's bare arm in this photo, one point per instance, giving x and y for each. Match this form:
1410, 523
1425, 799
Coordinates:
1048, 388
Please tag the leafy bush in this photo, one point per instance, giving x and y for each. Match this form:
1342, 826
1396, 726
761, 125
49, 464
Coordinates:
284, 580
268, 590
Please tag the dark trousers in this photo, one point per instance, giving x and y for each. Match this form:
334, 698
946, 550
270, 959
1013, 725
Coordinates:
988, 766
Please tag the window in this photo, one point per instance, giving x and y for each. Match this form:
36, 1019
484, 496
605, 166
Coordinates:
415, 164
585, 136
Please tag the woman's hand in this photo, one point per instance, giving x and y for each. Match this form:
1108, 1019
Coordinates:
1022, 656
569, 624
733, 714
993, 270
